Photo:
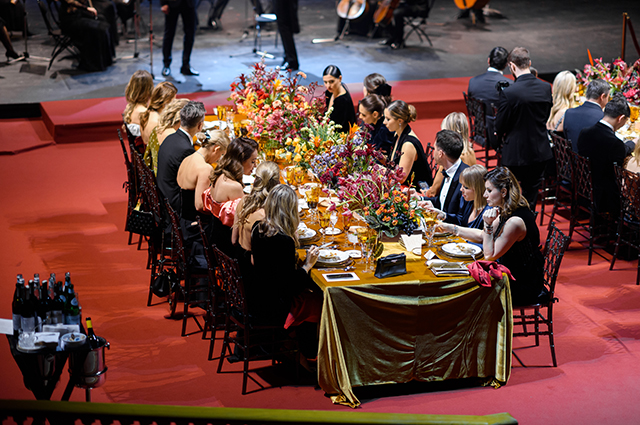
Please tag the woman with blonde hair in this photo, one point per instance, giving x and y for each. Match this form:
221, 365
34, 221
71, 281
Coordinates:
633, 163
407, 151
161, 96
458, 122
250, 208
137, 93
472, 188
564, 85
168, 123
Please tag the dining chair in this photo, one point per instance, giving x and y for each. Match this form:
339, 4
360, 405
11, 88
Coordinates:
431, 160
417, 24
216, 313
563, 198
251, 339
131, 187
533, 314
193, 291
62, 41
628, 232
478, 131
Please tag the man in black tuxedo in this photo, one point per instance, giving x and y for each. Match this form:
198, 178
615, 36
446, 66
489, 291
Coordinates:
175, 148
287, 13
447, 151
523, 111
600, 144
172, 9
484, 87
587, 114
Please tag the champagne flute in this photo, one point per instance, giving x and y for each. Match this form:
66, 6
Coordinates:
333, 220
325, 218
363, 236
313, 197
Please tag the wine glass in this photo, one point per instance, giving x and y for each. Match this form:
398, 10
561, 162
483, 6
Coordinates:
298, 176
313, 196
325, 219
430, 220
334, 220
363, 236
635, 111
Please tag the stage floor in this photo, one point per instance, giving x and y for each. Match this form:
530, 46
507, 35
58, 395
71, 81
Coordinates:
558, 35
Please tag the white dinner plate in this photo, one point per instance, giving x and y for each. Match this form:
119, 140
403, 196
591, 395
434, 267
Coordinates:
461, 249
331, 256
305, 233
215, 125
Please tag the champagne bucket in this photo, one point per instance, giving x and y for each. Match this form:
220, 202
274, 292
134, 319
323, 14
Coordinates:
87, 366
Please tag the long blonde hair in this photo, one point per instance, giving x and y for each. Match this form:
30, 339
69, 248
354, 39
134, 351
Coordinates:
170, 115
473, 177
216, 138
267, 177
563, 87
137, 92
163, 94
281, 213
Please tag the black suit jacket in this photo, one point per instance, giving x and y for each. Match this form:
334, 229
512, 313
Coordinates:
603, 148
577, 119
483, 87
523, 110
173, 150
453, 202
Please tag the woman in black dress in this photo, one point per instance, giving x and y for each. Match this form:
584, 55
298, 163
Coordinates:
337, 97
371, 112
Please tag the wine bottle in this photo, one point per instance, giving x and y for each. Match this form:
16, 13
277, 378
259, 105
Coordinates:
34, 296
16, 306
28, 319
94, 342
44, 309
57, 304
71, 309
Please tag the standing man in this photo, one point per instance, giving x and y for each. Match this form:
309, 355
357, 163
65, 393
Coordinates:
523, 110
587, 114
287, 13
484, 87
172, 9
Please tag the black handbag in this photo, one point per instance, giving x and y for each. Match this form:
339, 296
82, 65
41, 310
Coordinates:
140, 223
391, 265
165, 283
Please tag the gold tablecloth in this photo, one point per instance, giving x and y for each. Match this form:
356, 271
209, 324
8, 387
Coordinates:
411, 327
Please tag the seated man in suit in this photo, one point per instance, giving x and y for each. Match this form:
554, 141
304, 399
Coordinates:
175, 148
447, 151
587, 114
600, 144
484, 87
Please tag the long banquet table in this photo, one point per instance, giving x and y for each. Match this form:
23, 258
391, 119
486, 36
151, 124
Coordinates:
411, 327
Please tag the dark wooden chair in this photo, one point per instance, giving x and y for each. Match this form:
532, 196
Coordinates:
628, 232
253, 341
563, 197
62, 41
131, 187
478, 131
533, 314
417, 24
431, 160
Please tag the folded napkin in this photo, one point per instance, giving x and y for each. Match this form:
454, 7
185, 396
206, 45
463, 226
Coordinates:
484, 272
411, 243
442, 267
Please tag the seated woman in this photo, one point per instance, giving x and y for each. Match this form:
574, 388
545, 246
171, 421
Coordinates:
510, 235
337, 97
278, 277
633, 163
90, 32
226, 189
137, 93
169, 121
458, 122
377, 84
472, 188
371, 112
407, 151
250, 208
162, 95
564, 86
193, 177
6, 42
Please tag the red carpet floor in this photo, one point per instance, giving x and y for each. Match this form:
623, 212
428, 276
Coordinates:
63, 209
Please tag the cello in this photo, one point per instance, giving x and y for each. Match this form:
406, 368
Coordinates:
384, 12
352, 9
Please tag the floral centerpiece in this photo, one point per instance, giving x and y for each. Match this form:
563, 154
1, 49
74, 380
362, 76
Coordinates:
276, 107
621, 77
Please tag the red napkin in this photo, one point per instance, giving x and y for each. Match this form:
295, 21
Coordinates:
485, 271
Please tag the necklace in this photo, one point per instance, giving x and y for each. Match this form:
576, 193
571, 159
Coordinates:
201, 154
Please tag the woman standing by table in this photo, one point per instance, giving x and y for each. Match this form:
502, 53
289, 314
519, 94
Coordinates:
510, 235
337, 97
407, 151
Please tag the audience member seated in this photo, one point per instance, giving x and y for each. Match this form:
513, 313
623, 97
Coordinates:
564, 86
407, 151
226, 189
633, 164
484, 87
447, 151
458, 122
12, 15
603, 148
90, 33
162, 95
6, 42
137, 93
510, 235
408, 8
193, 179
472, 189
587, 114
250, 209
176, 148
169, 121
337, 97
371, 112
377, 84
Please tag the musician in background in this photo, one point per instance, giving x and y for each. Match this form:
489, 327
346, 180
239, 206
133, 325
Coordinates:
406, 8
288, 24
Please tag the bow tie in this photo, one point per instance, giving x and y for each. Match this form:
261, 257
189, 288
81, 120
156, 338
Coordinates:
444, 173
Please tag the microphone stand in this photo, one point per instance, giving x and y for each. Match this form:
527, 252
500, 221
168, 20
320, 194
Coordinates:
345, 30
25, 55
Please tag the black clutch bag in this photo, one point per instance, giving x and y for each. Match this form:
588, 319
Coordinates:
391, 265
141, 223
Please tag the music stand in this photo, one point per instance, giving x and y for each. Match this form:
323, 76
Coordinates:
136, 34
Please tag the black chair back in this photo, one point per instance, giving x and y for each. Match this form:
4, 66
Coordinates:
431, 160
554, 248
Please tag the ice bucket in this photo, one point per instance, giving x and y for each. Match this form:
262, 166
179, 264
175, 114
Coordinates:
87, 366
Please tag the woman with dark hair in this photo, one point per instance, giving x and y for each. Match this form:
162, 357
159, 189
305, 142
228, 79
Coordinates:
407, 151
337, 97
226, 189
377, 84
371, 112
510, 235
